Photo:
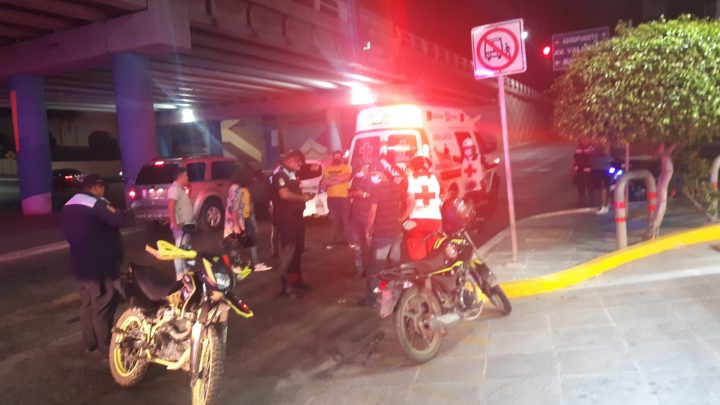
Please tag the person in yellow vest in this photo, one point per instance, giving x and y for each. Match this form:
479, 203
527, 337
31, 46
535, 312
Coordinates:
240, 216
336, 179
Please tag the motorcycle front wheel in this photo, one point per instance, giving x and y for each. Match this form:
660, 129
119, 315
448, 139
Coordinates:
206, 387
126, 359
500, 300
412, 325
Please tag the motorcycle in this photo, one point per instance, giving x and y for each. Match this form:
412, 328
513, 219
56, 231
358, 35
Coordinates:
181, 325
427, 296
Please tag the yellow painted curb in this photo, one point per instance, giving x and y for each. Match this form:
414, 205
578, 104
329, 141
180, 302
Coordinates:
603, 264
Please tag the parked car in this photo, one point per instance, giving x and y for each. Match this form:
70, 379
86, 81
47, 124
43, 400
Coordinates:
209, 183
64, 179
310, 176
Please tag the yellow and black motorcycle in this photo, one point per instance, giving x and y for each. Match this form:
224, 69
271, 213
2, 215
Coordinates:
451, 284
181, 325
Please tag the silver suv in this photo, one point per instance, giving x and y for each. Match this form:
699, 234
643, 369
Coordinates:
209, 184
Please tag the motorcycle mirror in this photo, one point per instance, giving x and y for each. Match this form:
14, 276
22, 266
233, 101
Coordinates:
409, 225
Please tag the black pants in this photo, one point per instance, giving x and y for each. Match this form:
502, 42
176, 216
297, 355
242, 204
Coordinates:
97, 310
585, 188
291, 230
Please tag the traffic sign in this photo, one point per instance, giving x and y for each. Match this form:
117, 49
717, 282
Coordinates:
565, 45
498, 49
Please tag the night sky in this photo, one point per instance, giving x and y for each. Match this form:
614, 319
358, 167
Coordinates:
448, 22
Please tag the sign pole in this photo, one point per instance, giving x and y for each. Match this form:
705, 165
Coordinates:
508, 173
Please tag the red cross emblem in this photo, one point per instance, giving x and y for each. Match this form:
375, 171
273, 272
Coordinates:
365, 150
425, 196
470, 170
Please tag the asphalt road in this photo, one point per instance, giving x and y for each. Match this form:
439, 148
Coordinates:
288, 344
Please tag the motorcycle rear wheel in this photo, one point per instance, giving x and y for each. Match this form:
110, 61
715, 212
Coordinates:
412, 329
206, 387
127, 365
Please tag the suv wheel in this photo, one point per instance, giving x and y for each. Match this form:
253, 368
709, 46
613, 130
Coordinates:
211, 216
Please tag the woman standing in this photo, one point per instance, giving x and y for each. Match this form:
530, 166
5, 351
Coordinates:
239, 214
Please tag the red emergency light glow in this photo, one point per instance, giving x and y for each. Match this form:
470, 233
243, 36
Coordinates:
546, 50
159, 163
132, 194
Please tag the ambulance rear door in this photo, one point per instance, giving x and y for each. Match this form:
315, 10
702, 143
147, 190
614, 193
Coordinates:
399, 144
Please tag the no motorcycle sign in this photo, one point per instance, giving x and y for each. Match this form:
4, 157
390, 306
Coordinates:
498, 49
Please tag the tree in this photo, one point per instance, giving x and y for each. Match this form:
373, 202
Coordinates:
658, 83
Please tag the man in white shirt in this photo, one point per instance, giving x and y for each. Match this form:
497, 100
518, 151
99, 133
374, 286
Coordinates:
180, 212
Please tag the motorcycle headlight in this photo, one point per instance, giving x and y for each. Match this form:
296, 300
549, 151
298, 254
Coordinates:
451, 251
223, 280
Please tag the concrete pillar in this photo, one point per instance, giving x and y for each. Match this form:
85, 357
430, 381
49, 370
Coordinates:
31, 132
332, 118
135, 115
214, 137
271, 134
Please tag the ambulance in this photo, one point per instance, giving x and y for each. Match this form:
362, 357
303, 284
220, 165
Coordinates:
441, 133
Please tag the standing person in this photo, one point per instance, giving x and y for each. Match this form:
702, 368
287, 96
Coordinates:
423, 208
384, 226
288, 214
91, 226
582, 172
274, 233
240, 216
600, 162
336, 177
180, 212
359, 213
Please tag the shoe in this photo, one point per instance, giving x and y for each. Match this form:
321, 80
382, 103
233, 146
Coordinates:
603, 210
262, 267
292, 293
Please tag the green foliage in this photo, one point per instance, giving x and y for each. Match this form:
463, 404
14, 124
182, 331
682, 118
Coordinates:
657, 83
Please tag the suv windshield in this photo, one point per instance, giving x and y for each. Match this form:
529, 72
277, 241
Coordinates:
156, 174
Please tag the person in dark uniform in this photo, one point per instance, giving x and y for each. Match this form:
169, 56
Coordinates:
91, 226
582, 172
289, 205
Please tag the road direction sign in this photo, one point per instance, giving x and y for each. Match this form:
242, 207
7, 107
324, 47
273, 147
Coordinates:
498, 49
566, 45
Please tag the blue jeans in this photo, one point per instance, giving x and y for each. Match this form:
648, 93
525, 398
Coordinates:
180, 263
384, 252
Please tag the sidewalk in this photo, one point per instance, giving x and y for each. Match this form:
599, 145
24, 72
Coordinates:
554, 242
25, 236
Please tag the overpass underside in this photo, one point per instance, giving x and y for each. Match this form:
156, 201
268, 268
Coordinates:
148, 60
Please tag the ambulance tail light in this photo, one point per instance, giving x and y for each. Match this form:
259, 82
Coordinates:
132, 194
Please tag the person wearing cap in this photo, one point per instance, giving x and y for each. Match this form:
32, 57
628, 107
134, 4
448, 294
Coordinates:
336, 178
288, 215
91, 225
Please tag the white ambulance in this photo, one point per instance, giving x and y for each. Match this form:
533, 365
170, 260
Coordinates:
402, 131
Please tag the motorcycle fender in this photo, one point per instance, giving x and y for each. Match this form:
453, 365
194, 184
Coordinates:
388, 299
237, 305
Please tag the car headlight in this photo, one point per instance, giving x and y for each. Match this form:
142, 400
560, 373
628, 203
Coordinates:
223, 280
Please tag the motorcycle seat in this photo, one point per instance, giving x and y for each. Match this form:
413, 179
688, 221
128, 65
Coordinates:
432, 262
153, 283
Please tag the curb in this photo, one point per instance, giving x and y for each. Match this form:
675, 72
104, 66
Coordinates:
55, 247
577, 274
495, 240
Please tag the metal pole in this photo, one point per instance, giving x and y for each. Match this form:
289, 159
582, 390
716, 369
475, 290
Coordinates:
508, 173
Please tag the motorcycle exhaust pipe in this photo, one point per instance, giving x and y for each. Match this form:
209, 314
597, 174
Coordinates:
443, 321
